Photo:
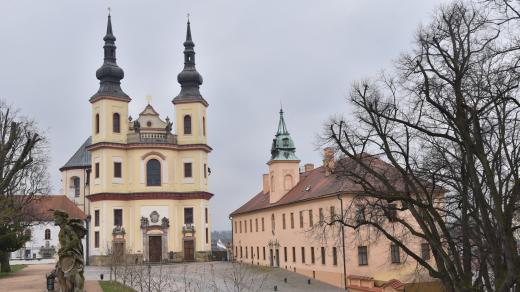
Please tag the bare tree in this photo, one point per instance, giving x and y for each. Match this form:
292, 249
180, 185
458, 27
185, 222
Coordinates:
438, 140
23, 175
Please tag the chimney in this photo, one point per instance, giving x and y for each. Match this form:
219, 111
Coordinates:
328, 160
308, 167
265, 183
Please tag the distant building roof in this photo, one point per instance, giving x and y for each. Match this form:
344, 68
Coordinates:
42, 207
80, 159
316, 184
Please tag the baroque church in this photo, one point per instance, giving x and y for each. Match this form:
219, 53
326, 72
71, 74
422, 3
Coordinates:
144, 181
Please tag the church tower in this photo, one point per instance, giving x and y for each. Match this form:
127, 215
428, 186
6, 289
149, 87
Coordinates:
110, 103
284, 165
190, 106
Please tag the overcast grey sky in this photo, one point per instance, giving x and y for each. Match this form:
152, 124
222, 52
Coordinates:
252, 55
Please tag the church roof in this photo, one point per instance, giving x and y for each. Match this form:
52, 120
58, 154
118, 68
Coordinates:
42, 207
315, 184
110, 74
80, 159
189, 78
283, 145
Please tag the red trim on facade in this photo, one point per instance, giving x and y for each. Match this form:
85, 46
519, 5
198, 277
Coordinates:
149, 196
149, 146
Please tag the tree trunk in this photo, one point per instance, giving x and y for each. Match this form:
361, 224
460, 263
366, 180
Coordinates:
4, 262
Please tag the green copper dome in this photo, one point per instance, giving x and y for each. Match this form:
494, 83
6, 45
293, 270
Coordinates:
283, 146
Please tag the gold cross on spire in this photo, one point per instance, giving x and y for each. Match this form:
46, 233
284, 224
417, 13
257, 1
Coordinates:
109, 10
149, 99
188, 15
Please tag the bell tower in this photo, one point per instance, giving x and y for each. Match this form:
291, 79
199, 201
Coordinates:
109, 103
284, 166
190, 106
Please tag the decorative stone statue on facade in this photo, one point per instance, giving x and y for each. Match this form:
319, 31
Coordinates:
69, 268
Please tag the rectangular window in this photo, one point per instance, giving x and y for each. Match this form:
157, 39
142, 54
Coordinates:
262, 223
188, 215
301, 219
285, 253
311, 220
322, 255
362, 255
360, 214
303, 254
207, 235
117, 169
236, 230
96, 170
425, 251
391, 212
332, 212
252, 255
205, 171
250, 225
256, 224
334, 256
394, 252
294, 254
96, 218
283, 220
312, 254
263, 251
118, 217
247, 254
187, 170
96, 239
236, 251
240, 252
292, 221
240, 226
245, 226
257, 253
206, 215
322, 218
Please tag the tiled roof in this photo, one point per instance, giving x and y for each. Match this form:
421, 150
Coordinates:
315, 184
80, 159
42, 208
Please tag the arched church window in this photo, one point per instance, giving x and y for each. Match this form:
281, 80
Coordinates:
272, 183
153, 172
116, 125
187, 125
47, 234
273, 223
204, 126
97, 123
288, 182
76, 186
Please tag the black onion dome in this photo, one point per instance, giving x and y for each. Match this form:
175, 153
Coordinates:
110, 74
189, 79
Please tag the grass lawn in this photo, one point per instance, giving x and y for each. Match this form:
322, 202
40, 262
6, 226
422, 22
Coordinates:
14, 269
112, 286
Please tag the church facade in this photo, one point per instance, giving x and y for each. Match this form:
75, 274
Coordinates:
144, 181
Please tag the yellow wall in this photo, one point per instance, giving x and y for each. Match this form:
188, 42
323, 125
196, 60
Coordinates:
134, 170
132, 212
197, 111
67, 187
106, 108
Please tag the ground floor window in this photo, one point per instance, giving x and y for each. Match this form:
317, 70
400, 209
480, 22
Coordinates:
96, 239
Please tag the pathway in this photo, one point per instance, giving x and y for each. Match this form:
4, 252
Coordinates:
29, 279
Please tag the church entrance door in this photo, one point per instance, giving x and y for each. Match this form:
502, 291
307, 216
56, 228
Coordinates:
189, 250
155, 249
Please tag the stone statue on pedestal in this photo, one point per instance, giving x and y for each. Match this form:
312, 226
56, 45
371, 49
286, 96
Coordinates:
69, 268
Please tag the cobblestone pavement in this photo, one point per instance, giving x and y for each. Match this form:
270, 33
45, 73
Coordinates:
30, 279
214, 276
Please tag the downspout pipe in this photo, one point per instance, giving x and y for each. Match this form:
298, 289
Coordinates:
343, 243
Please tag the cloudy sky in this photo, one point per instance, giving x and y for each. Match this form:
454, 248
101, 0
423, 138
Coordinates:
252, 55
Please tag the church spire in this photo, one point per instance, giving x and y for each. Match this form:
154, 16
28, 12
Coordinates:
283, 146
189, 79
110, 74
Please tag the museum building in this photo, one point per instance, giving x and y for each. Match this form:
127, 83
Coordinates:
144, 181
283, 226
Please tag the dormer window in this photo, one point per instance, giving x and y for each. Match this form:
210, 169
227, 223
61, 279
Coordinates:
285, 142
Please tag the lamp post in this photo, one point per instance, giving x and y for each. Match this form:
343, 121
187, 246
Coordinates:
343, 243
